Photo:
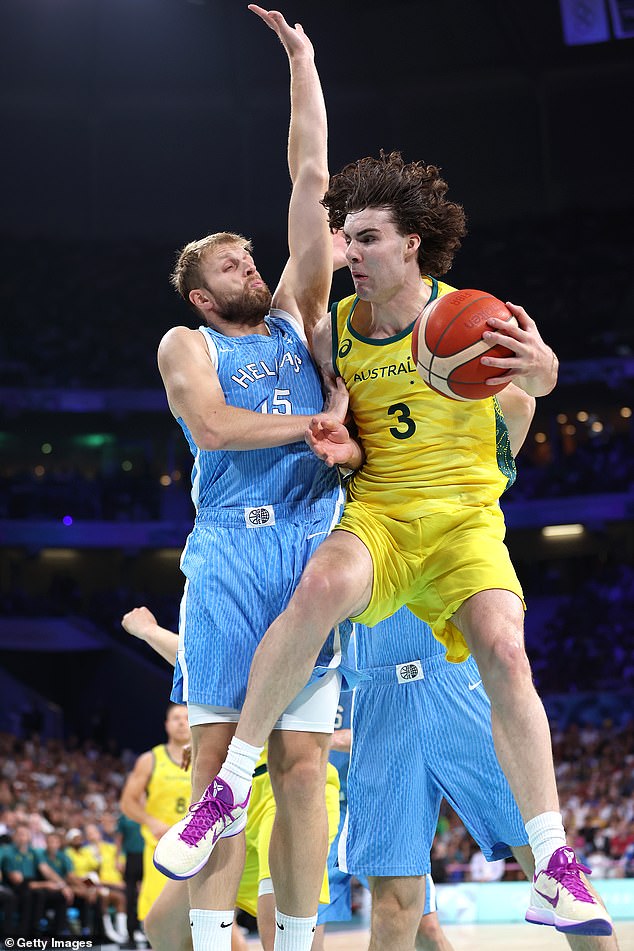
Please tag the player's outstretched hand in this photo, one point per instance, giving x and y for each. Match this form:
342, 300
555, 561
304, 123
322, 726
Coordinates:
139, 622
533, 366
330, 440
294, 40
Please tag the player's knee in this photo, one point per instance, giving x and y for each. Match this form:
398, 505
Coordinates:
395, 915
300, 780
324, 587
508, 658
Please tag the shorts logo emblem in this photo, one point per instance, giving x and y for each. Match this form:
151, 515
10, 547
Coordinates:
408, 671
259, 516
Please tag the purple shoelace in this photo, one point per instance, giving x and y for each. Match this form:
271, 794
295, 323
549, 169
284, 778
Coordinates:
203, 816
569, 876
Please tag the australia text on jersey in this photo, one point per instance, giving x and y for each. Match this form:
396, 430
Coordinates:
251, 371
392, 369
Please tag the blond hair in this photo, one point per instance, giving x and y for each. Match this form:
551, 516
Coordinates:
186, 274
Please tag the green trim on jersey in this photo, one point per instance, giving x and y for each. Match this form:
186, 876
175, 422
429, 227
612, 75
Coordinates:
505, 460
335, 335
384, 341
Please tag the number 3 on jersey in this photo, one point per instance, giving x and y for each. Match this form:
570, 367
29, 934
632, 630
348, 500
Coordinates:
279, 404
406, 425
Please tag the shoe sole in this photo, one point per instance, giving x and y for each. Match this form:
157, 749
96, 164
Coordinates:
228, 833
594, 927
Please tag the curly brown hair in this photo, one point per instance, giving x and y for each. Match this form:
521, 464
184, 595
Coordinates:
415, 194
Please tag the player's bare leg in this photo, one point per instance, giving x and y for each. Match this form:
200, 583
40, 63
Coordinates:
524, 858
397, 908
430, 936
167, 923
299, 840
336, 584
492, 624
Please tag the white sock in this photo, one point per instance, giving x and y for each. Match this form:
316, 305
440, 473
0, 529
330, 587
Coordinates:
545, 835
237, 769
108, 927
293, 934
121, 923
211, 930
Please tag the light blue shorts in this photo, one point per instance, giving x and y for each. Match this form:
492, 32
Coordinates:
415, 740
239, 580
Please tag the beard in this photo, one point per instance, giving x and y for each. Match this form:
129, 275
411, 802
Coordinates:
250, 307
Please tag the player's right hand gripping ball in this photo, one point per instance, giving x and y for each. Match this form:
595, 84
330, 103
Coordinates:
447, 344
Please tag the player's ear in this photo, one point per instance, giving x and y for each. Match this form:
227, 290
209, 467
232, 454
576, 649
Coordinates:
200, 297
412, 244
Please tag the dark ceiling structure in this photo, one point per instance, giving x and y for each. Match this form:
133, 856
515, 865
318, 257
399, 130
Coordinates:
164, 119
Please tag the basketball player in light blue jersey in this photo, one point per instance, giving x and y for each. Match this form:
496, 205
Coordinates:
430, 721
244, 388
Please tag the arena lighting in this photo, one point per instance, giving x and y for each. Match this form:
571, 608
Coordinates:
563, 531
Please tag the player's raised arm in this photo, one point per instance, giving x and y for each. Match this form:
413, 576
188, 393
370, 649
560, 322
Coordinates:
141, 623
327, 434
305, 283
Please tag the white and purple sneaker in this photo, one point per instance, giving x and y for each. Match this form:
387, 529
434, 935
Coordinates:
560, 897
187, 845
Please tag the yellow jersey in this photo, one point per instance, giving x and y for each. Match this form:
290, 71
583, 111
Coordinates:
168, 793
84, 860
424, 452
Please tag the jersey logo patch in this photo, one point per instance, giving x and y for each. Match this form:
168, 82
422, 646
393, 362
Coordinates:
258, 517
413, 670
345, 348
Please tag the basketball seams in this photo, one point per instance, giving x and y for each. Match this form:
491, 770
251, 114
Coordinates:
440, 372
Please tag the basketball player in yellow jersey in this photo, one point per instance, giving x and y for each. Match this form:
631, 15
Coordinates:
156, 794
422, 525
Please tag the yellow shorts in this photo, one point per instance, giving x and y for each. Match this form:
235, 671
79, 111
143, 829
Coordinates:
151, 884
433, 564
258, 836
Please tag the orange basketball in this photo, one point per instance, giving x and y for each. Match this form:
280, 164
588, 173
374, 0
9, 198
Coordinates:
447, 344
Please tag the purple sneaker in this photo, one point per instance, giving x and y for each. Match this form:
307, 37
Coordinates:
560, 897
186, 847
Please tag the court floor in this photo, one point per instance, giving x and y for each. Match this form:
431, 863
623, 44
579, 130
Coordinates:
515, 937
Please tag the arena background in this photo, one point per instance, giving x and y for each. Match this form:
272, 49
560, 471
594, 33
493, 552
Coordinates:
133, 126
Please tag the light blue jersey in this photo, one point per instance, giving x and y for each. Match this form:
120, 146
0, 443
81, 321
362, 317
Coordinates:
273, 374
260, 515
428, 723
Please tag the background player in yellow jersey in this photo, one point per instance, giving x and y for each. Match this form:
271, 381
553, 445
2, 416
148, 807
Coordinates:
156, 794
422, 524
